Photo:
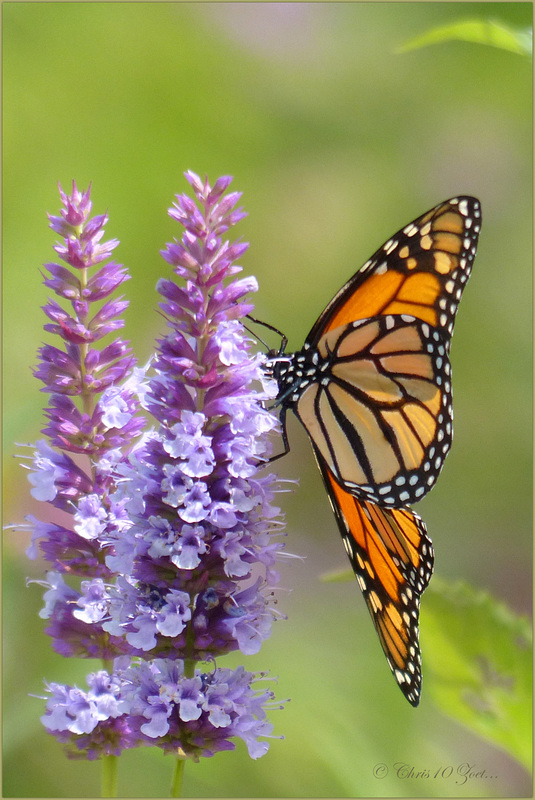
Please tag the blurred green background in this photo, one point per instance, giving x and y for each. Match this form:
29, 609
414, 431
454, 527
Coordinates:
336, 141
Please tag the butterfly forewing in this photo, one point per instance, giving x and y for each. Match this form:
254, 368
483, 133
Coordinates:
421, 271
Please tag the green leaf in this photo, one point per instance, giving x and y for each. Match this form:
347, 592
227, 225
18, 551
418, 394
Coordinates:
478, 664
478, 32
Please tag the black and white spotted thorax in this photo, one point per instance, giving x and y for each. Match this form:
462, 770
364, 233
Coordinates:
294, 372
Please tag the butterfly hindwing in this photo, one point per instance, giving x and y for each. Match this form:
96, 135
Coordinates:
378, 406
392, 557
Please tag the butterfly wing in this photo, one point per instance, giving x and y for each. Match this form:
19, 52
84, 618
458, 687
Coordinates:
373, 381
380, 413
372, 386
421, 271
392, 557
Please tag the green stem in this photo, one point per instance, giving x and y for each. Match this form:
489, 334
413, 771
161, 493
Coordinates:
87, 397
109, 776
176, 785
107, 664
189, 668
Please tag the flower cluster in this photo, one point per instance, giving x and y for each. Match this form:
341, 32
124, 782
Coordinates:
171, 529
155, 703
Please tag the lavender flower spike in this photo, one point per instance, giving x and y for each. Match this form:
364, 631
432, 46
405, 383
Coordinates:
92, 418
89, 414
190, 535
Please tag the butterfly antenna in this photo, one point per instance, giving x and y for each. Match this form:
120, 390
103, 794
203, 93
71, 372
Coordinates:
256, 336
284, 339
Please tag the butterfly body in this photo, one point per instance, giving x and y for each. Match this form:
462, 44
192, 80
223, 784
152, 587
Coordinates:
372, 387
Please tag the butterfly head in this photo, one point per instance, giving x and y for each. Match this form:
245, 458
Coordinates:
277, 366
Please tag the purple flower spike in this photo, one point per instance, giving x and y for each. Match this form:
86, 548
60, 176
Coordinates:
92, 410
173, 531
206, 518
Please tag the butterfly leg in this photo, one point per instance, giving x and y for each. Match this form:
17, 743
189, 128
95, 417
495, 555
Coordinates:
284, 436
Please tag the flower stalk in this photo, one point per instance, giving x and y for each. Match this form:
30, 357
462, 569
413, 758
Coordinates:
178, 775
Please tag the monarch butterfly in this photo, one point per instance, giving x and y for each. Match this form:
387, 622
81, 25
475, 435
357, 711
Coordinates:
372, 387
